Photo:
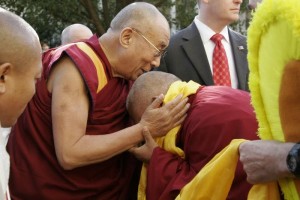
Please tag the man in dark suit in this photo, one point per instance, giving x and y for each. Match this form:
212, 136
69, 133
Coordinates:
189, 55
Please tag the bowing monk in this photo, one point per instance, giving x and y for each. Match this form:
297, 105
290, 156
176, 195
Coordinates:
218, 114
76, 126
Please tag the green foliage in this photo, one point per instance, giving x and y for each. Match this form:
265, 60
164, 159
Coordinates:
49, 17
243, 23
186, 11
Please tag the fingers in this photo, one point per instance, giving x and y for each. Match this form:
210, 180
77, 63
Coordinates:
157, 102
174, 103
133, 149
180, 120
149, 139
146, 134
177, 105
180, 115
145, 151
178, 108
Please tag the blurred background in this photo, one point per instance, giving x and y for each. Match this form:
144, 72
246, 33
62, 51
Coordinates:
50, 17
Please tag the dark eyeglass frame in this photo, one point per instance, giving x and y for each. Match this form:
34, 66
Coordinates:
160, 53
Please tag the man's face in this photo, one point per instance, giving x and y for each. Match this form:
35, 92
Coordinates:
20, 87
146, 51
225, 10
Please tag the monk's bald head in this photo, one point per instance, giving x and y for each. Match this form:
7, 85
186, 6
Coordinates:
19, 41
139, 15
75, 33
145, 89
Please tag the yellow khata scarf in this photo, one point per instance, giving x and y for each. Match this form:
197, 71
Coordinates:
168, 142
215, 179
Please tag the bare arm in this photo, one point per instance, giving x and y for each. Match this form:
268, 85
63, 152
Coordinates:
70, 107
265, 161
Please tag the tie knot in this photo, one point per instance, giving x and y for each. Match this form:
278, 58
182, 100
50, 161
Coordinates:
217, 37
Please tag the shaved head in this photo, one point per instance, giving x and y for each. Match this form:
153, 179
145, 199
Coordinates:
75, 33
138, 15
145, 89
18, 39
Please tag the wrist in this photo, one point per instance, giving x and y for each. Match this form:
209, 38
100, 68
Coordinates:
139, 127
293, 160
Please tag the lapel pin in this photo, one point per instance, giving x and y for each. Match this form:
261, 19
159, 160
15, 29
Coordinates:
240, 47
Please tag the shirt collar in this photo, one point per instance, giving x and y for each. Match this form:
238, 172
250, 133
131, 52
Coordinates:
206, 33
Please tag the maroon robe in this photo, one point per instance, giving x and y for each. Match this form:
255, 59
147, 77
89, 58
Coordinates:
217, 115
35, 171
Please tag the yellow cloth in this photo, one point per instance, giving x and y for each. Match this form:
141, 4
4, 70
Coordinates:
169, 141
215, 179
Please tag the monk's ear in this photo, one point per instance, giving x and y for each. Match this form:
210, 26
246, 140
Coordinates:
5, 69
126, 37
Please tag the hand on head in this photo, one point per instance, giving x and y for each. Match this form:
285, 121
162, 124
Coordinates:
141, 107
161, 119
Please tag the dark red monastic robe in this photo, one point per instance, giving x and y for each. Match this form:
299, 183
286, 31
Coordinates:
35, 171
217, 115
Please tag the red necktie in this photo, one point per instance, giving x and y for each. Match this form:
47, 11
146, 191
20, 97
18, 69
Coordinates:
220, 63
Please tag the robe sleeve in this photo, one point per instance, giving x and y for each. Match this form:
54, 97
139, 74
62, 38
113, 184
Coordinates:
167, 174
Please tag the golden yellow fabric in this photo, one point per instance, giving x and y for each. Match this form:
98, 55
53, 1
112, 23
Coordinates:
102, 79
169, 141
215, 179
273, 41
264, 192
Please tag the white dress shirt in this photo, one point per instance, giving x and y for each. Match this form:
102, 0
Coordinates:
206, 33
4, 164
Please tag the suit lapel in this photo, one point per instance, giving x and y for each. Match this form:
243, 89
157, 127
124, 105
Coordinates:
239, 51
196, 53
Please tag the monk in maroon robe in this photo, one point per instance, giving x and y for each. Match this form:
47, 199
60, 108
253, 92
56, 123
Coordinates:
217, 115
71, 142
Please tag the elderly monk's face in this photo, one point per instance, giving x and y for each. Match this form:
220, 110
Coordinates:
145, 49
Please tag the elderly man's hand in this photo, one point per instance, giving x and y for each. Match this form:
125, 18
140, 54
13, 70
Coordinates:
264, 161
160, 119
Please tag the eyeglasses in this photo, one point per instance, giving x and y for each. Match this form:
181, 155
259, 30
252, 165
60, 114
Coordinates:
160, 53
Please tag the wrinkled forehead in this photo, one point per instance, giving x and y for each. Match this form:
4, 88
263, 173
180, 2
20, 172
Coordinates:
161, 32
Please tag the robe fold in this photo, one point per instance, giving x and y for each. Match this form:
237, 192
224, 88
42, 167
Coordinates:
35, 171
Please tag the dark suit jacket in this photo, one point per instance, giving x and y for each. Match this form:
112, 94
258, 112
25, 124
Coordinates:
186, 57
